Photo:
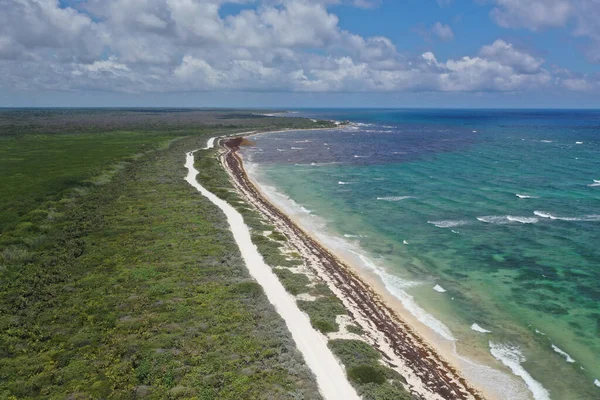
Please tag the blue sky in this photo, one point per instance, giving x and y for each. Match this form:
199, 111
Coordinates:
300, 53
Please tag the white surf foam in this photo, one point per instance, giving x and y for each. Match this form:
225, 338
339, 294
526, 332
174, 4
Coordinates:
596, 183
563, 353
494, 219
584, 218
297, 148
397, 287
539, 332
523, 220
405, 242
512, 357
359, 156
525, 196
478, 328
597, 382
578, 142
395, 198
345, 183
546, 141
505, 219
544, 214
448, 223
280, 149
439, 289
302, 141
347, 235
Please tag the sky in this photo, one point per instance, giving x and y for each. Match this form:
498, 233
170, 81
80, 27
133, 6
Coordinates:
300, 53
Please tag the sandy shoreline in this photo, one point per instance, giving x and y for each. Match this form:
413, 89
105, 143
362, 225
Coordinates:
330, 375
428, 374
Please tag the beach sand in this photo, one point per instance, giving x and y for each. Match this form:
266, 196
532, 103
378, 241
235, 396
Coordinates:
428, 373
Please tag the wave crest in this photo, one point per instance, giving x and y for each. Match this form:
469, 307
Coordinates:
512, 357
448, 223
395, 198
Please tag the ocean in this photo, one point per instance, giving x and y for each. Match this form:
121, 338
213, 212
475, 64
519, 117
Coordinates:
485, 223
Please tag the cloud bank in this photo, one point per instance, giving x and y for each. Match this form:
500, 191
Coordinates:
137, 46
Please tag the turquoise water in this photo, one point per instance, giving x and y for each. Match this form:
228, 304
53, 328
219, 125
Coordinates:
501, 209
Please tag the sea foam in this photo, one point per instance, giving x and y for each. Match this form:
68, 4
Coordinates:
397, 287
478, 328
525, 196
395, 198
494, 219
448, 223
512, 357
597, 382
584, 218
505, 219
523, 220
439, 289
563, 353
596, 183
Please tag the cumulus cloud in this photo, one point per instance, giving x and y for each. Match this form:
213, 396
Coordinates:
540, 14
270, 45
532, 14
442, 31
489, 70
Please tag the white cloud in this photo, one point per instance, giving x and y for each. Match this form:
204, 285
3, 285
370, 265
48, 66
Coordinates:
532, 14
540, 14
442, 31
507, 54
274, 45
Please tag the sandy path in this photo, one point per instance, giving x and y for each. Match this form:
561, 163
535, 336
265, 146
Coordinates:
331, 377
210, 143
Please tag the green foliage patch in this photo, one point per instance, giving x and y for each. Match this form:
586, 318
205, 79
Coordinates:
372, 380
132, 288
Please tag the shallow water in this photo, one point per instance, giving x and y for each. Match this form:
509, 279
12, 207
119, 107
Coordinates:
498, 209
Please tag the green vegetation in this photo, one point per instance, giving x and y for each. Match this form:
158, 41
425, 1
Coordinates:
294, 283
118, 280
357, 330
372, 380
327, 307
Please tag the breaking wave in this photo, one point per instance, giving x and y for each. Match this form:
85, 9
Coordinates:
448, 223
512, 357
506, 219
563, 353
478, 328
585, 218
395, 198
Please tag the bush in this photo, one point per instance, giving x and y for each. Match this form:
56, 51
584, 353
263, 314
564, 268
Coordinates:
363, 374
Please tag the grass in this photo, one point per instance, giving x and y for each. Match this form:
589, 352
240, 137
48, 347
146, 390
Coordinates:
40, 169
372, 380
119, 281
132, 287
